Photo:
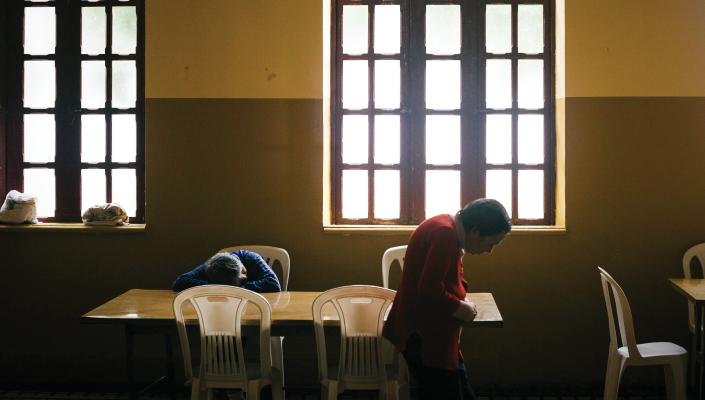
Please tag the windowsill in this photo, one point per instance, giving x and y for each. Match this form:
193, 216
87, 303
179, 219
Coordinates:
405, 229
71, 227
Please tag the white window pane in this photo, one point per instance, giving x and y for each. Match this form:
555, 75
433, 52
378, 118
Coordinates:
93, 84
124, 84
124, 144
40, 182
125, 190
498, 141
443, 84
93, 30
530, 196
530, 28
124, 30
498, 28
387, 192
443, 29
530, 77
530, 139
387, 139
39, 138
387, 84
498, 186
499, 84
39, 84
355, 75
354, 194
39, 30
442, 192
355, 139
387, 29
92, 188
355, 29
93, 138
442, 139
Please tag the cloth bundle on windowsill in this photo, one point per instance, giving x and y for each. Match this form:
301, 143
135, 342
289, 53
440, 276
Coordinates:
108, 214
18, 208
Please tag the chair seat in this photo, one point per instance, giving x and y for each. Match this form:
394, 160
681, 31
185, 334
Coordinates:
655, 349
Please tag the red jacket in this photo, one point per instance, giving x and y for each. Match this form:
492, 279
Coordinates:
429, 292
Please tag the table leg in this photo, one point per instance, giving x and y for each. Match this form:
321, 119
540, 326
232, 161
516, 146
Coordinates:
698, 349
129, 361
169, 364
692, 359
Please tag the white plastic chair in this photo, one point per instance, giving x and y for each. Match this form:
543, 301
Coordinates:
672, 356
697, 251
362, 310
222, 363
390, 255
271, 255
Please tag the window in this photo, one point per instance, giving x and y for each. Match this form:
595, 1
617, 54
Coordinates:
437, 103
74, 99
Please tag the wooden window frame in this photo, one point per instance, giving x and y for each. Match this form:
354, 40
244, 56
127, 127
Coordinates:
67, 164
472, 111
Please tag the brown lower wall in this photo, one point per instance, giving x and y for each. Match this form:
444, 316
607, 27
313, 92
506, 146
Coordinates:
224, 172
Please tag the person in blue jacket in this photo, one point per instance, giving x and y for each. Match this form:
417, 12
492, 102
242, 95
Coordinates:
241, 268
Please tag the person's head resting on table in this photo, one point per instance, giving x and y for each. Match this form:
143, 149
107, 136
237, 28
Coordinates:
486, 223
225, 269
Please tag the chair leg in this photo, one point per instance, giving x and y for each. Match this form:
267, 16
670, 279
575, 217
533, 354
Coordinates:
195, 390
332, 391
615, 366
675, 380
253, 390
392, 390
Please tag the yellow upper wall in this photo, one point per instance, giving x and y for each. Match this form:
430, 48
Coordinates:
273, 48
233, 48
635, 48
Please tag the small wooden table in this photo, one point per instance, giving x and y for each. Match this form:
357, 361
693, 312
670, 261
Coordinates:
151, 311
694, 291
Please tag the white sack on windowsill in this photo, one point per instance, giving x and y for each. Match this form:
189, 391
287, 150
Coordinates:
18, 208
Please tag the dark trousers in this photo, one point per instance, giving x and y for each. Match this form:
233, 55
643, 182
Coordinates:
436, 383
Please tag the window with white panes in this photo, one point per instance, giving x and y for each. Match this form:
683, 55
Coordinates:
74, 132
437, 103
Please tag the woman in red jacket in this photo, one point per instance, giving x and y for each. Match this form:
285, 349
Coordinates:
430, 307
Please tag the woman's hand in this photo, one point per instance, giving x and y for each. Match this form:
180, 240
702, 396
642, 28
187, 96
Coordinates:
466, 311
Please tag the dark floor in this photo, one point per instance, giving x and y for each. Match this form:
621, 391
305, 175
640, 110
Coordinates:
314, 394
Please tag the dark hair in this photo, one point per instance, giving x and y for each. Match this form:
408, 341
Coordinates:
224, 268
488, 216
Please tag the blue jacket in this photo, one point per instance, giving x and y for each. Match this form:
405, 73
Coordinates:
260, 278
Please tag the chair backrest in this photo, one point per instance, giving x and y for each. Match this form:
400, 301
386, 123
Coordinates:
271, 255
697, 251
219, 309
390, 255
362, 310
624, 315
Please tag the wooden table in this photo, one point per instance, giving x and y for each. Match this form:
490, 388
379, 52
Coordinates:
151, 311
290, 310
694, 290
